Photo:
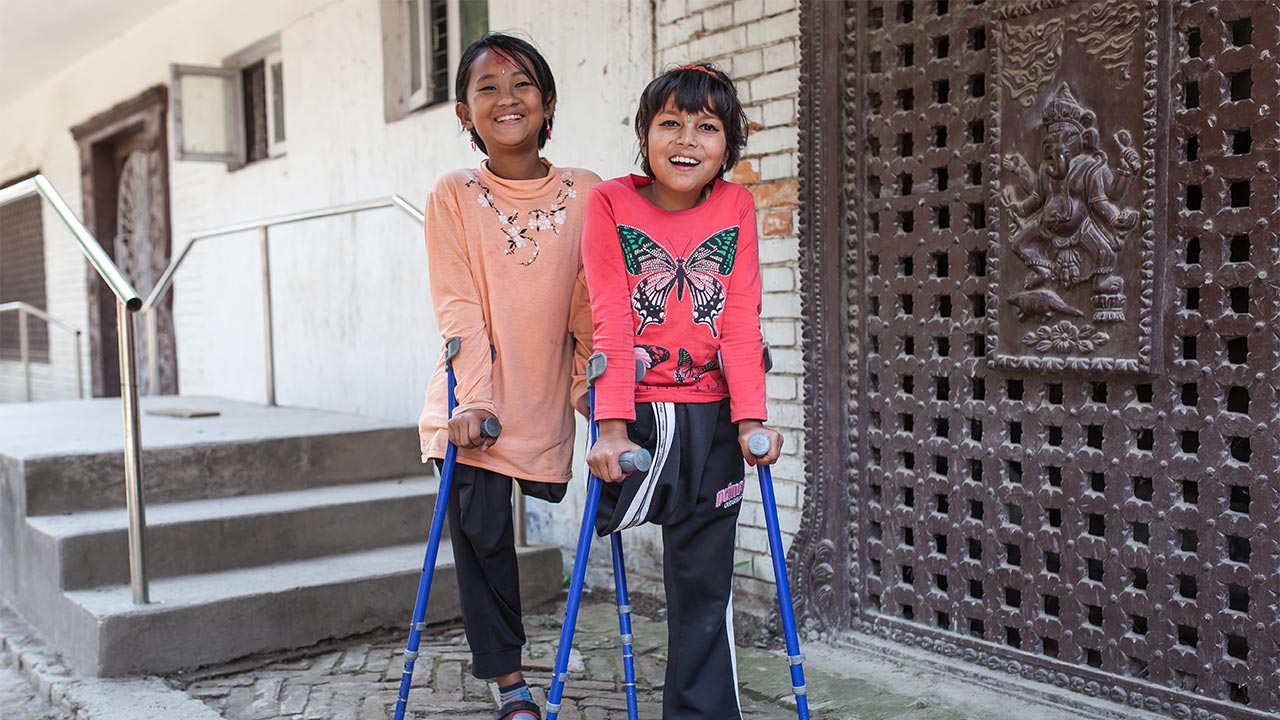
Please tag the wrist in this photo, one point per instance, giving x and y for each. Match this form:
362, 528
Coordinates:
747, 425
612, 428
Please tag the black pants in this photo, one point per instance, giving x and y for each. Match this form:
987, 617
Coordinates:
484, 553
694, 490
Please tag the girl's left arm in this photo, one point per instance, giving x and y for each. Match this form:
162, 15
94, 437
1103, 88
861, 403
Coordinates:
741, 344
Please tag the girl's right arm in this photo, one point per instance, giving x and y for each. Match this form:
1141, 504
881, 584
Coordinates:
614, 335
459, 313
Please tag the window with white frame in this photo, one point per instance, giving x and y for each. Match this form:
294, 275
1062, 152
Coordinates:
422, 41
234, 113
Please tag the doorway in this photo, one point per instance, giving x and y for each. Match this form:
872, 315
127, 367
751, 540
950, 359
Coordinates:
124, 156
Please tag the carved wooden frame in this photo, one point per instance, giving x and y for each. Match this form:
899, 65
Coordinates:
824, 556
826, 562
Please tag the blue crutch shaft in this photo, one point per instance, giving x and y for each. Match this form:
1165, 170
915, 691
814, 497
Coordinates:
490, 427
624, 626
639, 459
560, 674
759, 445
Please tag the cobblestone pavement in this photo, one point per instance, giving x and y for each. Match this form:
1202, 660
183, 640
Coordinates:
18, 700
359, 680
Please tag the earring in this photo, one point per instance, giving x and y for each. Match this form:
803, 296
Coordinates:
473, 145
546, 125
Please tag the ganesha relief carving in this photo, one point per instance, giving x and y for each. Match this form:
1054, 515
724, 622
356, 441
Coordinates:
1074, 233
1071, 222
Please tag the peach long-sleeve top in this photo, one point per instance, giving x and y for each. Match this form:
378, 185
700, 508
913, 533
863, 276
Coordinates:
505, 263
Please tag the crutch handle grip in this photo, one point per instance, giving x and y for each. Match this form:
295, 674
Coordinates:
634, 460
759, 444
490, 427
598, 363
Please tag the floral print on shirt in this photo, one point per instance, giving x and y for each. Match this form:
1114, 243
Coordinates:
539, 219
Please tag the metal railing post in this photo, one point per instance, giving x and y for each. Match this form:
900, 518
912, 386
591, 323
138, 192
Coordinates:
24, 350
518, 518
79, 367
267, 337
153, 357
128, 301
132, 456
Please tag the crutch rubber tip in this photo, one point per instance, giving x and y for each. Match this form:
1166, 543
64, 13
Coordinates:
490, 428
758, 444
634, 460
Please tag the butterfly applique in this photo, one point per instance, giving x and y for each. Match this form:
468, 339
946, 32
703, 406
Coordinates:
652, 355
687, 372
662, 273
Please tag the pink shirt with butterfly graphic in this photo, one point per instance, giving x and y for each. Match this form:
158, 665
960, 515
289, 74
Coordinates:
679, 291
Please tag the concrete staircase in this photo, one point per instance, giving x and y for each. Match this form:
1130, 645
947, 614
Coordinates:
267, 528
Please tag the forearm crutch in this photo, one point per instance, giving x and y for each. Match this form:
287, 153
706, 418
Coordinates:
489, 428
759, 445
630, 462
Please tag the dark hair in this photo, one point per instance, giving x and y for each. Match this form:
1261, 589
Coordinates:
525, 56
701, 87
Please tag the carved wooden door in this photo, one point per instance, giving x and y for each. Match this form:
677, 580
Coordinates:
1057, 258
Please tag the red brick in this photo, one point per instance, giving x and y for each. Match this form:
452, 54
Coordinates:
776, 222
744, 173
783, 193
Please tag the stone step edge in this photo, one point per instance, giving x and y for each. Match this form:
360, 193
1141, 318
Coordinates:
149, 697
79, 523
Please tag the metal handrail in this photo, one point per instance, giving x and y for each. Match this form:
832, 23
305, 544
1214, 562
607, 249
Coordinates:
26, 310
89, 245
166, 278
166, 282
127, 301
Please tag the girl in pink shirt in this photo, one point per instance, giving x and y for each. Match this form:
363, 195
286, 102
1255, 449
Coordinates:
504, 256
673, 270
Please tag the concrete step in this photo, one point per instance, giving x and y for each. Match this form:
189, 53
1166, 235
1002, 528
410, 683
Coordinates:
68, 457
90, 548
197, 620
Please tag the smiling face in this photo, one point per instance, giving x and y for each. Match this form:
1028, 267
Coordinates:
686, 151
503, 105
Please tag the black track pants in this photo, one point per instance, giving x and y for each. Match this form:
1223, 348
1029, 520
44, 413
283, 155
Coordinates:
694, 490
484, 553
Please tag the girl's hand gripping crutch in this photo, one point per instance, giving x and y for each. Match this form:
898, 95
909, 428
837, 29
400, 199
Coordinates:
758, 444
630, 462
489, 428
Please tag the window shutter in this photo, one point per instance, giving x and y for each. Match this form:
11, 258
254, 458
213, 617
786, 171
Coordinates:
208, 113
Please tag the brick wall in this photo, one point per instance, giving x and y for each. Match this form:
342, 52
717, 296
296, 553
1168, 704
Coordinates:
757, 43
